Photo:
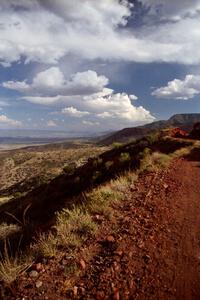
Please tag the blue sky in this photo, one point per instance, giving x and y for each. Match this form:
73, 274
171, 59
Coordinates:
97, 65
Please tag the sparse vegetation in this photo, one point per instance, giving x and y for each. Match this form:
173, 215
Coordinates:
24, 169
70, 168
8, 229
96, 176
108, 164
96, 162
71, 229
123, 182
152, 138
117, 145
74, 226
124, 157
12, 266
153, 162
98, 201
46, 246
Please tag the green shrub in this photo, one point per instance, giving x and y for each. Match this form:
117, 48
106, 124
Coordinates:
70, 168
77, 179
153, 138
124, 157
109, 164
98, 161
117, 145
96, 175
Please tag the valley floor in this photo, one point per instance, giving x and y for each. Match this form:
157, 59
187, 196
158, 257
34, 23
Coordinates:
149, 249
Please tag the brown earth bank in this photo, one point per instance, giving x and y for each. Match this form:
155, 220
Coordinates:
149, 249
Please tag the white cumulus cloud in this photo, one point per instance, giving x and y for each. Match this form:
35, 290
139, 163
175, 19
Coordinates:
73, 112
180, 89
83, 95
52, 82
108, 109
97, 30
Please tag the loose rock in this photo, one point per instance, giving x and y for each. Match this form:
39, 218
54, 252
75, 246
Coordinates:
33, 274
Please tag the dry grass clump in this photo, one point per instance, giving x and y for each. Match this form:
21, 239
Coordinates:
99, 200
8, 229
76, 222
182, 152
124, 181
153, 162
160, 160
71, 229
46, 246
12, 266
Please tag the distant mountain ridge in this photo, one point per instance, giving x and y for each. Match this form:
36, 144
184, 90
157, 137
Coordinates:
183, 121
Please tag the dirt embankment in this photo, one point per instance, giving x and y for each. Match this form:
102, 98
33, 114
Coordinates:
150, 249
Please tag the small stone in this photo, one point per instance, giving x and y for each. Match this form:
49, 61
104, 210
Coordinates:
75, 290
98, 218
33, 274
165, 185
39, 267
38, 284
110, 239
120, 253
146, 258
127, 219
132, 286
65, 262
100, 295
83, 264
116, 266
116, 295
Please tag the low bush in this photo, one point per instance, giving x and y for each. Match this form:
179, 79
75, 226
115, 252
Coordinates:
117, 145
109, 164
124, 157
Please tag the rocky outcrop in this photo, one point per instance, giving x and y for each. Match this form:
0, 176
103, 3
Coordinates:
175, 133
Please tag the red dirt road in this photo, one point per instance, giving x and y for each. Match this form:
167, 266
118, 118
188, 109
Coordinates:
187, 215
156, 249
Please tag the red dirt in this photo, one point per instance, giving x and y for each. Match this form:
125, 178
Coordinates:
150, 249
178, 133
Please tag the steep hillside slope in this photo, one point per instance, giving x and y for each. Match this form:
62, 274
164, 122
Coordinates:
148, 248
184, 121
